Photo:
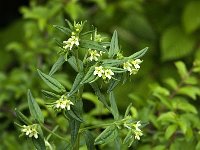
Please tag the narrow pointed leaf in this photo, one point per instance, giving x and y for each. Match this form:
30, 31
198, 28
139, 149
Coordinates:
50, 95
39, 143
57, 65
89, 139
51, 82
75, 114
74, 128
89, 76
77, 83
34, 108
138, 54
128, 110
72, 61
22, 117
88, 44
65, 30
113, 104
114, 47
108, 135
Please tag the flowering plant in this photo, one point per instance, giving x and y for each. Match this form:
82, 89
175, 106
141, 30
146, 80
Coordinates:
97, 62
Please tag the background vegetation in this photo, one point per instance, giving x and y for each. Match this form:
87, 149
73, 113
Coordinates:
165, 92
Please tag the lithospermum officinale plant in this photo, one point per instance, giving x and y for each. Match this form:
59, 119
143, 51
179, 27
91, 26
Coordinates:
102, 63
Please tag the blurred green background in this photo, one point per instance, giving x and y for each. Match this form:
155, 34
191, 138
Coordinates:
165, 92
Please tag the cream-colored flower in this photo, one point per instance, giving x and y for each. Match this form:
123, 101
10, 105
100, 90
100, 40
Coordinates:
99, 71
73, 40
108, 73
128, 66
94, 55
30, 130
138, 134
136, 63
63, 103
137, 125
78, 27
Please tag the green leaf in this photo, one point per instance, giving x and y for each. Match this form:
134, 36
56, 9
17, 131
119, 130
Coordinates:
114, 82
74, 128
89, 76
69, 24
129, 138
168, 117
182, 104
191, 19
75, 114
50, 95
176, 44
128, 110
57, 65
138, 54
72, 61
34, 108
39, 143
65, 30
88, 44
51, 82
22, 117
190, 91
117, 70
108, 135
77, 84
182, 70
89, 139
114, 47
100, 96
171, 82
113, 104
170, 130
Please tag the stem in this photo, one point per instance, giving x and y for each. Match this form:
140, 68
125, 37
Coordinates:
58, 136
95, 126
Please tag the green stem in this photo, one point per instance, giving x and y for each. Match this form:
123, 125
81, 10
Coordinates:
58, 136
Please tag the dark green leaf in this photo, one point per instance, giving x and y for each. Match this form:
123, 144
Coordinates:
21, 117
89, 76
51, 82
114, 47
39, 143
50, 95
128, 110
77, 84
100, 96
65, 30
114, 108
88, 44
114, 82
75, 114
138, 54
34, 108
69, 24
74, 128
57, 65
89, 139
72, 61
108, 135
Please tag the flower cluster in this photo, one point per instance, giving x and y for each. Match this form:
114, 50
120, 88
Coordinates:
104, 73
94, 55
132, 66
135, 128
63, 103
30, 130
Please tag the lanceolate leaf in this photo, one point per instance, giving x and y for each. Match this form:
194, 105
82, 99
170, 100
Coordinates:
77, 83
65, 30
100, 96
50, 95
89, 76
114, 108
139, 53
51, 82
75, 114
114, 47
34, 108
74, 128
21, 117
89, 139
57, 65
113, 83
108, 135
39, 143
92, 45
72, 61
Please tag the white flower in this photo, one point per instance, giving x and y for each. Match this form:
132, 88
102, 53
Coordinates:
94, 55
30, 131
138, 134
63, 103
136, 63
108, 73
99, 71
133, 71
128, 66
137, 125
73, 40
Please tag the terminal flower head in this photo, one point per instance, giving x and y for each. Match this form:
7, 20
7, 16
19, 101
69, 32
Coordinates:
137, 125
138, 134
63, 103
73, 40
108, 73
30, 130
94, 55
78, 26
127, 66
136, 63
99, 71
